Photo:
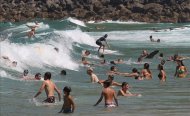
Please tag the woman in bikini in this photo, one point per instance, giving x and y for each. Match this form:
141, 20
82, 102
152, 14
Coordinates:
146, 73
162, 73
181, 70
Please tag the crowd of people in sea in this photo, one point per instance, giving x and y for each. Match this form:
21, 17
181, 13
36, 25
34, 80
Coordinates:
108, 93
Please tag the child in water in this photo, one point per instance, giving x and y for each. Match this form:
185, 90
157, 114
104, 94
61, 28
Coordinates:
69, 105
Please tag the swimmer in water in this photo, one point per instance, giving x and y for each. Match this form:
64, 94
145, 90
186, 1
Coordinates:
68, 105
63, 72
181, 70
162, 73
124, 91
146, 73
143, 55
152, 40
118, 61
33, 30
135, 74
111, 78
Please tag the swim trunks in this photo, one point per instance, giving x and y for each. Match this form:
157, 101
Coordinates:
67, 110
50, 99
110, 105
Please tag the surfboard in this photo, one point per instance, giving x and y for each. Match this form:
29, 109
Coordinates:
152, 54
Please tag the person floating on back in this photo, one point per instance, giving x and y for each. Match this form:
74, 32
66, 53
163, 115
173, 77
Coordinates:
100, 43
69, 105
109, 95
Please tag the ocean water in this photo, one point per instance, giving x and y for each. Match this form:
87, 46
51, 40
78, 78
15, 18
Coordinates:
71, 36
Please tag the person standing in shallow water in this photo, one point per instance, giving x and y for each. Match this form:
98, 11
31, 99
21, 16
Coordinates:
146, 73
69, 105
109, 95
181, 70
100, 43
49, 87
162, 73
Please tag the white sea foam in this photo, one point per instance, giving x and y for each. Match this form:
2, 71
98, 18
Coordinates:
117, 22
77, 22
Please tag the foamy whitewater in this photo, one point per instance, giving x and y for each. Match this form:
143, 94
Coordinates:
71, 37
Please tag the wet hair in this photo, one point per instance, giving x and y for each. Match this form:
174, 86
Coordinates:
181, 62
111, 77
25, 72
158, 40
124, 84
107, 83
163, 62
67, 89
151, 36
63, 72
87, 52
105, 35
134, 70
160, 67
112, 67
161, 55
37, 76
146, 66
175, 56
89, 71
102, 56
112, 62
47, 75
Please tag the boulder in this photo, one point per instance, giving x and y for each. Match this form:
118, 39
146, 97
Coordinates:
137, 8
153, 8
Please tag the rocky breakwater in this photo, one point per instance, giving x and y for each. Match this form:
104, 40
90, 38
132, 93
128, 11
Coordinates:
124, 10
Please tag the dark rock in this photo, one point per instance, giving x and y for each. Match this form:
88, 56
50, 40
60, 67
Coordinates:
138, 10
153, 8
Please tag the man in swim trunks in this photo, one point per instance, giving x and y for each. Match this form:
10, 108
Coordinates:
99, 42
49, 87
109, 95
